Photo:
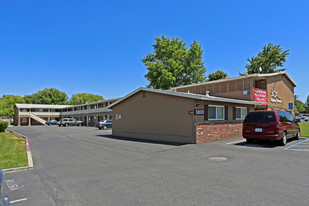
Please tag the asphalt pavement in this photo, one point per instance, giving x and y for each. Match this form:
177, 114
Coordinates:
87, 166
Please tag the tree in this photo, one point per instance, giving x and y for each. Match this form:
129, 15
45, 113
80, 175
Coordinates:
217, 75
307, 105
299, 105
269, 59
47, 96
82, 98
7, 103
172, 64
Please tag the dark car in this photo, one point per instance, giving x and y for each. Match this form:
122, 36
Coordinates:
69, 122
104, 124
4, 201
270, 125
51, 122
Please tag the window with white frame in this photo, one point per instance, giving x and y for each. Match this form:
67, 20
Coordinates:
241, 113
215, 112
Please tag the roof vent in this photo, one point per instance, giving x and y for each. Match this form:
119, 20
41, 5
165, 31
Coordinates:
207, 93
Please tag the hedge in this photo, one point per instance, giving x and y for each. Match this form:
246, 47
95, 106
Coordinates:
3, 125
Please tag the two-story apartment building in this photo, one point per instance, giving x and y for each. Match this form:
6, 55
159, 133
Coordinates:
200, 112
38, 114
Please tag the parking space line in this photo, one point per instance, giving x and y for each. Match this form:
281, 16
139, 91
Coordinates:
19, 200
296, 144
235, 142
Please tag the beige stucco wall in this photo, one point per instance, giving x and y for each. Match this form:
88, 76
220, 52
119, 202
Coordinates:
285, 90
156, 116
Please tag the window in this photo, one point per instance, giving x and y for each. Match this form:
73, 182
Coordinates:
215, 112
283, 116
241, 113
261, 117
23, 120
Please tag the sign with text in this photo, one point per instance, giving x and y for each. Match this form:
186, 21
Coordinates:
260, 95
198, 112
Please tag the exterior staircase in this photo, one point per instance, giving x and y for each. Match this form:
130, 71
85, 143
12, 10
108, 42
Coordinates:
39, 119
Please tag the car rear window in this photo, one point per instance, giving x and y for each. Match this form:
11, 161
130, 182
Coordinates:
260, 117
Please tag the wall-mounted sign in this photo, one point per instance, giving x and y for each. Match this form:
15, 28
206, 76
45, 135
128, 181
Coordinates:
274, 98
198, 112
191, 112
260, 95
291, 106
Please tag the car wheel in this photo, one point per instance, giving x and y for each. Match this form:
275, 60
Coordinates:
66, 124
297, 135
80, 125
105, 127
59, 125
100, 128
283, 139
249, 140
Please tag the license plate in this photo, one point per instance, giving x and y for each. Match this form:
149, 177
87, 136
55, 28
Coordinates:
258, 130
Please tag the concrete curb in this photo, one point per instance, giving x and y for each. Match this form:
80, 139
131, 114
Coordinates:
29, 157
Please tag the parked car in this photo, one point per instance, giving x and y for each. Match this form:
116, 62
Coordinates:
306, 119
270, 125
69, 122
104, 124
4, 200
51, 122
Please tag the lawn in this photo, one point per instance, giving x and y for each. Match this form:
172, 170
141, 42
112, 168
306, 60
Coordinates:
12, 151
304, 129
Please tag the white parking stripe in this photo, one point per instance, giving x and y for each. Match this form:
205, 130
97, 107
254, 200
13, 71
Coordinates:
239, 141
16, 201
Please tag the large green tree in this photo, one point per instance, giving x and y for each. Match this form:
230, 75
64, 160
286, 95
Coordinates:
7, 103
269, 59
82, 98
299, 105
47, 96
172, 64
217, 75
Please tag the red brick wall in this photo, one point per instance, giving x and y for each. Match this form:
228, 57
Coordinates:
212, 131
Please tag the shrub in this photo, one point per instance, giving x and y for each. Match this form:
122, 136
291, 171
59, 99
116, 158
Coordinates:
3, 125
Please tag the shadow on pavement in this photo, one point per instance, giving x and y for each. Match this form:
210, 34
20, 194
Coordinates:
141, 140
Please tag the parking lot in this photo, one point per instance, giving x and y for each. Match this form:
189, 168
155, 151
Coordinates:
87, 166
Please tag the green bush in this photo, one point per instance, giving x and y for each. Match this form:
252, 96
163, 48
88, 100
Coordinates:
3, 125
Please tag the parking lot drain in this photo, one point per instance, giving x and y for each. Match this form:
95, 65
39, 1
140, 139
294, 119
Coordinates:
218, 158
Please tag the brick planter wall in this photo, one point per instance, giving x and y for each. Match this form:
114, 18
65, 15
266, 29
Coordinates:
212, 131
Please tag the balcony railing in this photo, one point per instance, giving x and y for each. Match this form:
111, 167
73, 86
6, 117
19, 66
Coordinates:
87, 111
40, 113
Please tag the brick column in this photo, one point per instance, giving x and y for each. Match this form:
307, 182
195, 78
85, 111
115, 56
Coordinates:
29, 121
18, 121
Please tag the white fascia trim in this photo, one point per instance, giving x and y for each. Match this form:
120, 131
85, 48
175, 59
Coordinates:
186, 95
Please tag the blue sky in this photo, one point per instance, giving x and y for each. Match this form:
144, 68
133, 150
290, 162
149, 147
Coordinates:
96, 46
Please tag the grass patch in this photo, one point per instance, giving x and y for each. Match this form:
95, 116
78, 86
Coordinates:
12, 151
304, 129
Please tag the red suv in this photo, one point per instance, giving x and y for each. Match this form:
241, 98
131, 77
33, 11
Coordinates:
270, 125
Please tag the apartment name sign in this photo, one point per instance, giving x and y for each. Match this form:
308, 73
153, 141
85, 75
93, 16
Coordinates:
260, 95
274, 98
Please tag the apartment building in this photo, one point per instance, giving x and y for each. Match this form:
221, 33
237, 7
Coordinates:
200, 112
38, 114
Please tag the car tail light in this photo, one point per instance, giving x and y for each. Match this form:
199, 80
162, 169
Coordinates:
277, 128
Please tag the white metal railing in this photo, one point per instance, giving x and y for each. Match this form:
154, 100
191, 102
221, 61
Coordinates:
87, 111
42, 121
40, 113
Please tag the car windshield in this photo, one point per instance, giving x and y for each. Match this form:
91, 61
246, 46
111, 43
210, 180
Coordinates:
260, 117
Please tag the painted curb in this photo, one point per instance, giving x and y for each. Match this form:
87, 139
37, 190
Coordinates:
29, 157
